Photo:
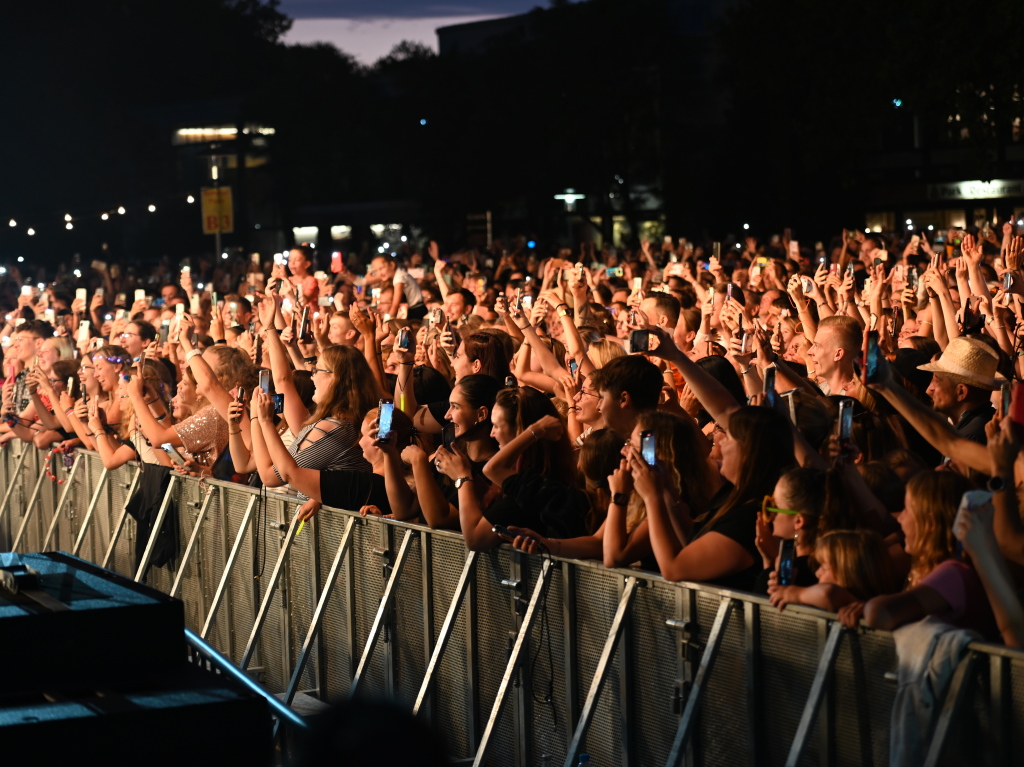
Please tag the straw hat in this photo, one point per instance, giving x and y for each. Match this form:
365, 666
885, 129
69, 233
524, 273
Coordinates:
969, 361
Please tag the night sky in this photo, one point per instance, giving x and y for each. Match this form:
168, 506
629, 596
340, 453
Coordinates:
368, 29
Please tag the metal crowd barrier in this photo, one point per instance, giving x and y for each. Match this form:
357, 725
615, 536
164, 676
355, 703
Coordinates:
516, 659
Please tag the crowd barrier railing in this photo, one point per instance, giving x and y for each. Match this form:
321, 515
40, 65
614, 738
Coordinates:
516, 659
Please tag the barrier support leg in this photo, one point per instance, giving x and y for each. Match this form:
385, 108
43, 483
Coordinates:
116, 534
601, 672
693, 700
229, 565
446, 632
104, 478
817, 695
28, 510
64, 497
191, 544
318, 614
161, 515
12, 481
382, 612
956, 696
513, 663
268, 596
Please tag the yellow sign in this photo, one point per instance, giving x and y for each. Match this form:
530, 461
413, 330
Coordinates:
218, 210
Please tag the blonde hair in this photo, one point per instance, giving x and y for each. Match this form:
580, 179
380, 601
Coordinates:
859, 561
604, 351
936, 496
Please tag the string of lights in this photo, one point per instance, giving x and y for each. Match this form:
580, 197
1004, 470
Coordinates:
105, 215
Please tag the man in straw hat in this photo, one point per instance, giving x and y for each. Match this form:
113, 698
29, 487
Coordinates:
963, 379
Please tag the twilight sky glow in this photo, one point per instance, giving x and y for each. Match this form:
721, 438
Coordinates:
368, 29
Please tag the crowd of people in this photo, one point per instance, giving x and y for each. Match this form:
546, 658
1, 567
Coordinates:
801, 423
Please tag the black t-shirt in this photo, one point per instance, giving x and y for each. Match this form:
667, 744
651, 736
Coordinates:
543, 504
971, 424
738, 524
351, 490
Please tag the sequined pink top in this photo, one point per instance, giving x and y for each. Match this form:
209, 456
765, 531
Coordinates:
204, 436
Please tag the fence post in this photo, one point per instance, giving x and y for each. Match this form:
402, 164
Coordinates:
116, 534
956, 696
191, 544
29, 509
12, 480
243, 528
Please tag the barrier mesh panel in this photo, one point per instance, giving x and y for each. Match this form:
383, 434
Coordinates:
495, 633
1015, 733
217, 538
597, 597
788, 660
369, 588
550, 731
240, 598
652, 659
408, 640
162, 578
722, 725
270, 652
852, 710
190, 592
451, 705
338, 657
116, 496
302, 597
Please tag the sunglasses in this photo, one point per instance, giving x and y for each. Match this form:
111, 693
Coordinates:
767, 507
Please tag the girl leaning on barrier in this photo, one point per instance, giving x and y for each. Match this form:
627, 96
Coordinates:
129, 443
367, 491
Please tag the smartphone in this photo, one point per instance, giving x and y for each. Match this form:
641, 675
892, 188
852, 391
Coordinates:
278, 400
794, 249
745, 343
573, 366
613, 271
80, 294
120, 299
869, 363
771, 396
728, 291
83, 331
448, 435
647, 447
849, 268
1006, 390
637, 284
323, 301
503, 532
165, 331
99, 266
511, 382
639, 341
787, 562
845, 421
26, 290
1007, 280
374, 296
71, 383
279, 258
264, 380
716, 250
304, 333
140, 294
402, 341
528, 302
194, 303
240, 394
177, 457
387, 412
912, 277
336, 264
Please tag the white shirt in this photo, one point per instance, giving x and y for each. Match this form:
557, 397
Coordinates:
410, 288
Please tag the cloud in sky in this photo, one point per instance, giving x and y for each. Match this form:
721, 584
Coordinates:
368, 39
407, 9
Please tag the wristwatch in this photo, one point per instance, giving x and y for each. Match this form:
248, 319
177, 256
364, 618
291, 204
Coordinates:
461, 481
621, 499
996, 484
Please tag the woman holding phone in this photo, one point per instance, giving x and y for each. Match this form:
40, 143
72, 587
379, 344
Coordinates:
129, 443
108, 363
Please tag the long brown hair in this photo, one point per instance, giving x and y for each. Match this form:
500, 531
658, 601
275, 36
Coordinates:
860, 562
683, 452
524, 406
766, 445
935, 498
353, 390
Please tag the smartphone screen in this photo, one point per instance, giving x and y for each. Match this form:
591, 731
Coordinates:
387, 410
637, 284
647, 445
870, 361
1007, 280
573, 367
771, 396
265, 381
787, 557
174, 454
845, 421
402, 341
639, 341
